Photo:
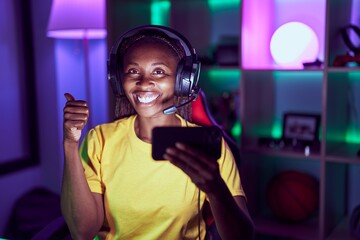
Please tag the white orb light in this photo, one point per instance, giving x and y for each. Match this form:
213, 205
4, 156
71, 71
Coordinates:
293, 44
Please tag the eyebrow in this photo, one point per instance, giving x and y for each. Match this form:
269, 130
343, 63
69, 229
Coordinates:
153, 64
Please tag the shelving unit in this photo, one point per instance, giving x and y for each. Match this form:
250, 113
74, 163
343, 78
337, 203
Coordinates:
268, 91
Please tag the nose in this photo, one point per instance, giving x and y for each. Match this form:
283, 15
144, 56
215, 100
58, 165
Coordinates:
145, 82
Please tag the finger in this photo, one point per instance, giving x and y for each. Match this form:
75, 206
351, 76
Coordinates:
74, 123
75, 116
205, 176
177, 161
76, 109
184, 160
196, 159
196, 176
184, 157
69, 97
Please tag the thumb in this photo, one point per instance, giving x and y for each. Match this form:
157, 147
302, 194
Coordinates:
69, 97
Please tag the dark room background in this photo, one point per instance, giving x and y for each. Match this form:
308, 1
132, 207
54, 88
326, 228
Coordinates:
247, 91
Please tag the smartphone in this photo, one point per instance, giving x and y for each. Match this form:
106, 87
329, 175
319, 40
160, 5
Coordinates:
207, 139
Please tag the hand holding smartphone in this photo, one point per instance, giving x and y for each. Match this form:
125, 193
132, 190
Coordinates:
207, 139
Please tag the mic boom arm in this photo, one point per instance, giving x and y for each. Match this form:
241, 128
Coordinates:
194, 95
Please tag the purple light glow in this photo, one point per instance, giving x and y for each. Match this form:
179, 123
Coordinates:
262, 18
256, 30
77, 19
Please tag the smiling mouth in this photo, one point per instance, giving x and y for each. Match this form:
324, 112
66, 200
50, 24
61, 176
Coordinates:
147, 99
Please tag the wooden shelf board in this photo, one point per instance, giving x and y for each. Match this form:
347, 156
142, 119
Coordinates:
308, 230
341, 231
281, 153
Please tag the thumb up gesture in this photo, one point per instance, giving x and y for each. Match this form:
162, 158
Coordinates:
76, 114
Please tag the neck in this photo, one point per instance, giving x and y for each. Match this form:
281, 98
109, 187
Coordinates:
144, 125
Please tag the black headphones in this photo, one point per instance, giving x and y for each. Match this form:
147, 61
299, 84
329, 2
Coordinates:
188, 70
345, 33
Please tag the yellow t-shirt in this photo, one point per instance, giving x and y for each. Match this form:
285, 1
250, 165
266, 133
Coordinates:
144, 198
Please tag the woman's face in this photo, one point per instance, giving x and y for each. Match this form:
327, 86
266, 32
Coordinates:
149, 71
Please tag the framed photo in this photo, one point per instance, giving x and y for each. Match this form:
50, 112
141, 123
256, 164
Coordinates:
18, 122
301, 126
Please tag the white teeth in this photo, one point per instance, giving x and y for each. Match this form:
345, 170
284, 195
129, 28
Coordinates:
146, 99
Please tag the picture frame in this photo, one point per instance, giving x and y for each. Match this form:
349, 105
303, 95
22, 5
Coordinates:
28, 155
302, 127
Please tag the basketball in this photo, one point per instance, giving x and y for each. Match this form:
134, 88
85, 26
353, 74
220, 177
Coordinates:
293, 196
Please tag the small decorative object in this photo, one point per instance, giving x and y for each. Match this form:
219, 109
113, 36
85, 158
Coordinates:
352, 57
345, 33
347, 60
301, 128
293, 196
314, 64
294, 43
300, 133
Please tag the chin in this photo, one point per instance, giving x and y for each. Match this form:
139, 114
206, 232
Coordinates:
148, 113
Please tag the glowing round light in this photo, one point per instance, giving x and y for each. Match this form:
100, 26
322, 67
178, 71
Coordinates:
294, 43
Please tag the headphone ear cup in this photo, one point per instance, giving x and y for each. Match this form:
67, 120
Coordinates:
346, 37
179, 85
186, 75
114, 77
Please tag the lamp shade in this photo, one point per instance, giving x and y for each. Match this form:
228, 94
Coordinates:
77, 19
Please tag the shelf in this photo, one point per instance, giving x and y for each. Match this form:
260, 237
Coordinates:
268, 91
341, 231
343, 152
343, 69
306, 231
272, 70
286, 153
218, 67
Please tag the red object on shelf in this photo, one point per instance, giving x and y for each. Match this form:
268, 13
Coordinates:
293, 196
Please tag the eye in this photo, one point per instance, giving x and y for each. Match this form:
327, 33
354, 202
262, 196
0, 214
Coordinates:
132, 71
158, 72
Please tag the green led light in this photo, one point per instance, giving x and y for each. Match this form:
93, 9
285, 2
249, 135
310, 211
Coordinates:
224, 73
300, 76
353, 130
354, 75
219, 4
352, 136
160, 12
218, 81
236, 130
226, 78
276, 131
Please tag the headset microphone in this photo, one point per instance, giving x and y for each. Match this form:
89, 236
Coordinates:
172, 109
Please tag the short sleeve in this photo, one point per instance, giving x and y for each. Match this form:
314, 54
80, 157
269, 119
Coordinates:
229, 171
90, 154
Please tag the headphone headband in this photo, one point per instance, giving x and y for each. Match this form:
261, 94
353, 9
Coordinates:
188, 68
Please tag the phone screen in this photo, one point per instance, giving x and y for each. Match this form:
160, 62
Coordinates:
206, 139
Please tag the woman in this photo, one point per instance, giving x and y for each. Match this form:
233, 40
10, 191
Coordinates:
114, 189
